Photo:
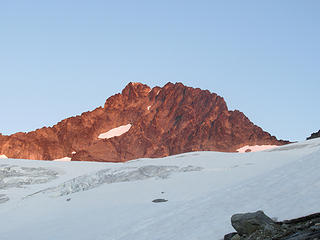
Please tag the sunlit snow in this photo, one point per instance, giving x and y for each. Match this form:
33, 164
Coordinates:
255, 148
118, 131
3, 156
64, 159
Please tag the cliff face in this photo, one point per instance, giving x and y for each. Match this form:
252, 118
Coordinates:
164, 121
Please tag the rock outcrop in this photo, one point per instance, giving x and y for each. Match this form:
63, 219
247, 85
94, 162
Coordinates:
164, 121
248, 223
258, 226
314, 135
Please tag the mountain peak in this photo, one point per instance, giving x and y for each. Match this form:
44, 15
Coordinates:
158, 122
136, 89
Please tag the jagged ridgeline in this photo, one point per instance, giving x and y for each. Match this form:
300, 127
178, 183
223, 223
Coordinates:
314, 135
142, 122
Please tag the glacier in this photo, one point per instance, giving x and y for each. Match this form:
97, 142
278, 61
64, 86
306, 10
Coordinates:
89, 200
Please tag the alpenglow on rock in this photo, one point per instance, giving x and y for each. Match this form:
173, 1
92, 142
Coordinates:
163, 121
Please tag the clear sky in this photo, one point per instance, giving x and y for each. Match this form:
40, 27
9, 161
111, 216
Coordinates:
61, 58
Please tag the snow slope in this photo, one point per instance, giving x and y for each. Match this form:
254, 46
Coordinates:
255, 148
115, 132
86, 200
64, 159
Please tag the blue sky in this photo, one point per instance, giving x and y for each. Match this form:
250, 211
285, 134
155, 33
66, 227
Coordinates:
61, 58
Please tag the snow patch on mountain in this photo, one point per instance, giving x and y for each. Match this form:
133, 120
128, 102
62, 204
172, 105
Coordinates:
115, 132
255, 148
64, 159
3, 156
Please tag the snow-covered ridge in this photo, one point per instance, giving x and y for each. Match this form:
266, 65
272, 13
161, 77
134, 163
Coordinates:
115, 132
255, 148
3, 156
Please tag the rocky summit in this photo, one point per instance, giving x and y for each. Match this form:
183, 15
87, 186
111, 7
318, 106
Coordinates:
142, 122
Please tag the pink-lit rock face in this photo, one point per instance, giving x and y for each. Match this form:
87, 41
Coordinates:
256, 148
180, 119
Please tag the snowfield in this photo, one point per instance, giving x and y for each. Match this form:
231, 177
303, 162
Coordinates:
64, 159
113, 201
255, 148
115, 132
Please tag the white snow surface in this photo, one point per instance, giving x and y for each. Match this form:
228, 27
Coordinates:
149, 107
3, 156
64, 159
255, 148
115, 132
96, 201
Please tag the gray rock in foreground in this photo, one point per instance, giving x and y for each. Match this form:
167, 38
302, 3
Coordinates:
248, 223
229, 236
258, 226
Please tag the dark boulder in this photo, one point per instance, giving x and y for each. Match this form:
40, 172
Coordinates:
229, 236
248, 223
258, 226
159, 200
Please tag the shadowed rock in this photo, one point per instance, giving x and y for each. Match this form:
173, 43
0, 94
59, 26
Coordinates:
247, 223
314, 135
229, 236
258, 226
159, 200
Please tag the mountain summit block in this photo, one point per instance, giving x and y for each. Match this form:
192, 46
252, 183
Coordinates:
142, 122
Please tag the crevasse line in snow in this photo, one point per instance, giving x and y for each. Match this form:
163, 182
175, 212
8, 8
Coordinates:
108, 176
